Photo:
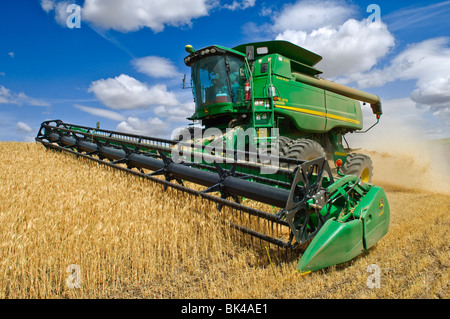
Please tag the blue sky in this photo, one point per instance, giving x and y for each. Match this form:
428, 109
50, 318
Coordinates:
124, 65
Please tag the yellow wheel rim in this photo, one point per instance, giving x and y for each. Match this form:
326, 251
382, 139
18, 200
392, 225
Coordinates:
365, 175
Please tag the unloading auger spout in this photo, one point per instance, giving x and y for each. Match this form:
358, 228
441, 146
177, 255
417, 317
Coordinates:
339, 217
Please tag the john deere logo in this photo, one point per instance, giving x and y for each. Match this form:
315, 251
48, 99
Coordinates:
381, 206
206, 110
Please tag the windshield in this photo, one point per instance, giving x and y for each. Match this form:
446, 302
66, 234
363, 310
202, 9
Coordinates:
216, 80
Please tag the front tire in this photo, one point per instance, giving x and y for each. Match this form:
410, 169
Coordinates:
304, 150
359, 165
283, 145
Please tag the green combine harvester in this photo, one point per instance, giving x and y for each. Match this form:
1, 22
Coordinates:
268, 129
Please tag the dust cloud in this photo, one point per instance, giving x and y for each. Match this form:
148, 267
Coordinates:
403, 160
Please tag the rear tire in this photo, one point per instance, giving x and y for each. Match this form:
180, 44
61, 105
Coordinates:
305, 150
359, 165
283, 145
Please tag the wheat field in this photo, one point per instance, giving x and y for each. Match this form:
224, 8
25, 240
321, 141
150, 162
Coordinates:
72, 228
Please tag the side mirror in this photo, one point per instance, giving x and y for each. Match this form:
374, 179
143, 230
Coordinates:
183, 83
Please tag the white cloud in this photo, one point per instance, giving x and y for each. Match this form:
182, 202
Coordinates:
48, 5
428, 63
132, 15
9, 97
22, 98
435, 93
178, 113
60, 8
101, 112
309, 15
22, 127
11, 54
424, 61
163, 124
240, 5
125, 92
328, 28
155, 66
61, 13
6, 96
153, 126
355, 46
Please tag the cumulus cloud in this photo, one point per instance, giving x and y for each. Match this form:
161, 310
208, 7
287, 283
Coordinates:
60, 10
22, 127
357, 46
328, 28
155, 66
125, 92
22, 98
434, 94
153, 126
6, 96
48, 5
133, 15
240, 5
126, 16
426, 62
176, 114
309, 15
101, 112
165, 120
9, 97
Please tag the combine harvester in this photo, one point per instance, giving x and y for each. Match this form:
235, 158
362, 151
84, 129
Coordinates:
273, 90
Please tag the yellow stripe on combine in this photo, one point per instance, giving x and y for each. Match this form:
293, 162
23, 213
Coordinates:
318, 113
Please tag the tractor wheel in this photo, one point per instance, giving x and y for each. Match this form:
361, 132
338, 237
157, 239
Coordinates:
283, 143
359, 165
304, 149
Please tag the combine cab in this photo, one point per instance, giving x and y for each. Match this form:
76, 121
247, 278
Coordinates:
293, 122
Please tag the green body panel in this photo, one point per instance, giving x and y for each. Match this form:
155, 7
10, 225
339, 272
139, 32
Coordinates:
215, 109
347, 109
285, 48
311, 109
335, 243
303, 105
374, 210
341, 239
